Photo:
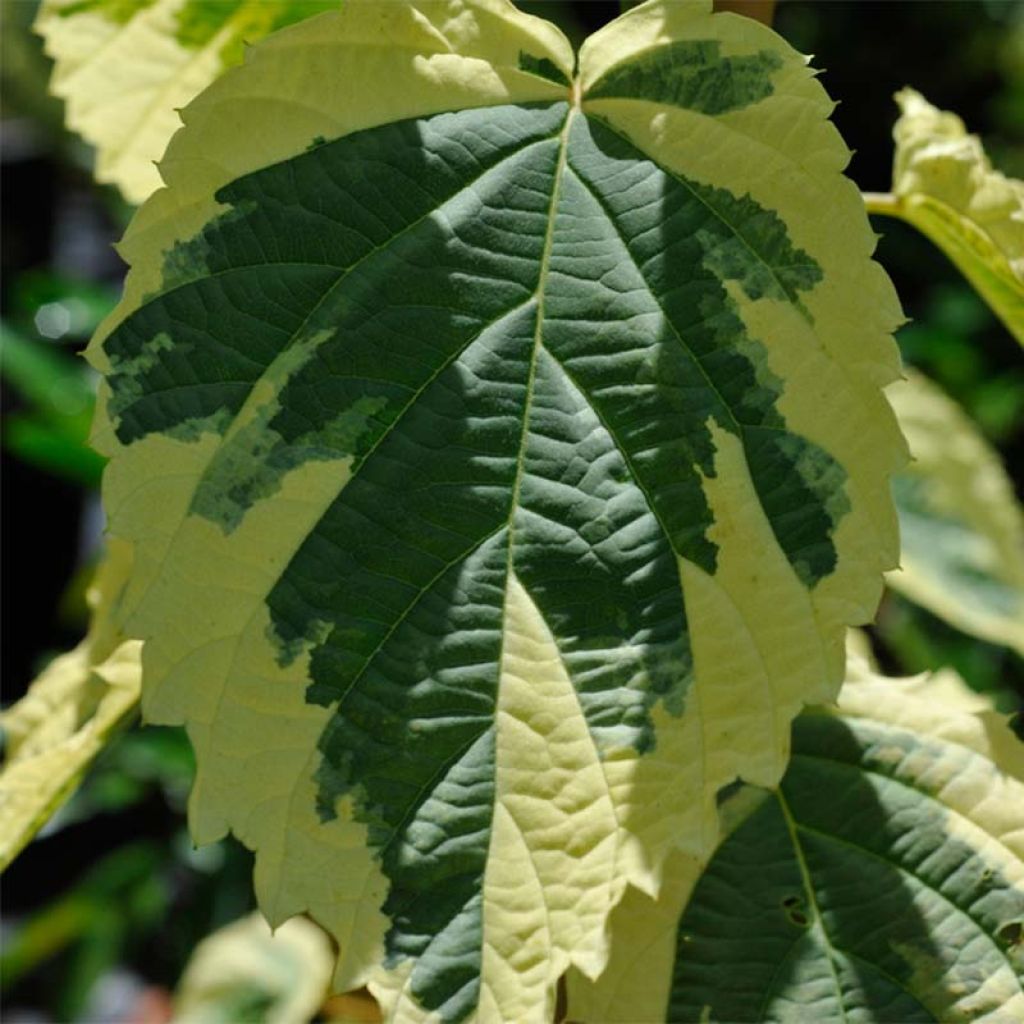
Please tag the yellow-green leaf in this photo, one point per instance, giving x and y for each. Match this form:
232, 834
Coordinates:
126, 67
882, 881
504, 455
245, 973
53, 733
962, 527
944, 184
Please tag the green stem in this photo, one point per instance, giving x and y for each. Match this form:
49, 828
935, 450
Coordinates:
882, 202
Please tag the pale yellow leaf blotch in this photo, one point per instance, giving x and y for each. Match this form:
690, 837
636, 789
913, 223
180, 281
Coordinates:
555, 822
217, 671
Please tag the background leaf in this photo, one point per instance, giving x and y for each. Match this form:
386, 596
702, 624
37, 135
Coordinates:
962, 554
944, 184
126, 67
68, 715
245, 972
53, 432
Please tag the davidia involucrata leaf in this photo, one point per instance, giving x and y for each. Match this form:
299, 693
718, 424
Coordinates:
54, 732
944, 184
962, 528
504, 452
126, 67
883, 880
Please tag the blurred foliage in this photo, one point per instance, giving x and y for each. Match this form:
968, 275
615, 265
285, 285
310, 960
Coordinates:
245, 972
45, 315
943, 183
52, 432
113, 883
118, 899
914, 640
961, 527
948, 341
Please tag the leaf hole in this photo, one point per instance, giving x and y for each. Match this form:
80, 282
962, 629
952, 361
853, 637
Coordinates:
792, 905
1010, 934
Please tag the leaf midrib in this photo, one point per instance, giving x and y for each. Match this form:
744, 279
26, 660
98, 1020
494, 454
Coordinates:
792, 827
538, 329
900, 867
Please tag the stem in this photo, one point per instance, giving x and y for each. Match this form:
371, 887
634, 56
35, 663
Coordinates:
883, 202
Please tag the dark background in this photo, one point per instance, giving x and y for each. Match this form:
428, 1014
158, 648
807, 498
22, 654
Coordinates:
101, 912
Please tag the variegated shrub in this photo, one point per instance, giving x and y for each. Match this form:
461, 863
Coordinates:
500, 439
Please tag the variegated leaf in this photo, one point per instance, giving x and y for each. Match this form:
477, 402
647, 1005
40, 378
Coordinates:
244, 972
504, 453
883, 881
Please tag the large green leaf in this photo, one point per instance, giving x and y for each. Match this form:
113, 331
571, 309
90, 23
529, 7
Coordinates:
54, 732
504, 455
962, 528
126, 67
944, 184
882, 881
